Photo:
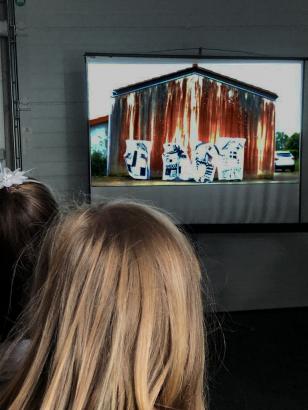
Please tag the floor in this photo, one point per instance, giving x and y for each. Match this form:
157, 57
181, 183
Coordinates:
265, 364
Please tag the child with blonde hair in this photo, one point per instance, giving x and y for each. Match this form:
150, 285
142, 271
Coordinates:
117, 318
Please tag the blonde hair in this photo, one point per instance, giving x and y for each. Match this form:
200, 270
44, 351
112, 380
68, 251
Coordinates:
118, 323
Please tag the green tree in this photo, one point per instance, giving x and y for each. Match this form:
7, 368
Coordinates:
292, 143
98, 164
281, 140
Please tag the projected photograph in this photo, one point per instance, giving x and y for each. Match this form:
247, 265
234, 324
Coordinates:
166, 121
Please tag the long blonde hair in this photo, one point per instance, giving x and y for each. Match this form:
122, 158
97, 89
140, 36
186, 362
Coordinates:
118, 323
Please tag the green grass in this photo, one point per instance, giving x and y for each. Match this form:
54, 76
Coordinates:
297, 165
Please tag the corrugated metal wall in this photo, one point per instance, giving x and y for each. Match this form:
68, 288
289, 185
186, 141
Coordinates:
52, 37
193, 109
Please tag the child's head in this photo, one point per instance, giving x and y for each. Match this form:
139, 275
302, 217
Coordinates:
118, 323
25, 212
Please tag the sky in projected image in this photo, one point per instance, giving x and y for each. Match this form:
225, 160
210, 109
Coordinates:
283, 78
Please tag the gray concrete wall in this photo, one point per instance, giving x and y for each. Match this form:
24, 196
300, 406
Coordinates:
52, 37
256, 270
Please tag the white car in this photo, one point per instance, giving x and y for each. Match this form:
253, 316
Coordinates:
284, 160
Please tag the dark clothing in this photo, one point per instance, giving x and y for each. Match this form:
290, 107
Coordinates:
13, 291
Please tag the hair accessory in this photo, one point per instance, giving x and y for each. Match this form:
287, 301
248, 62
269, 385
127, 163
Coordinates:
9, 178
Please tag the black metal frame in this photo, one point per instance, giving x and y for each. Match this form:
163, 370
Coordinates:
195, 229
301, 143
198, 56
14, 87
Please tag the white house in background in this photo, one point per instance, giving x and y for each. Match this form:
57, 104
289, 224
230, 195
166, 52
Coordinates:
137, 158
99, 134
185, 165
205, 161
170, 159
231, 163
176, 163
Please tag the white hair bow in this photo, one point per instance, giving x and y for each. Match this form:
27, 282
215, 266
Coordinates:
9, 178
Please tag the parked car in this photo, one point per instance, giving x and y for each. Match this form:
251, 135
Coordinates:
284, 160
